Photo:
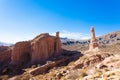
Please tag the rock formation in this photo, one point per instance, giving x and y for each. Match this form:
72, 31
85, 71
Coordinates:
21, 52
38, 50
44, 47
90, 60
5, 56
67, 57
93, 41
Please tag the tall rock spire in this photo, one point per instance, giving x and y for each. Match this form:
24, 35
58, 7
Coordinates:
57, 34
93, 41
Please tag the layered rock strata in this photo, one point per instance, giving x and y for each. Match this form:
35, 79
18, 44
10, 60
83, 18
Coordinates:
38, 50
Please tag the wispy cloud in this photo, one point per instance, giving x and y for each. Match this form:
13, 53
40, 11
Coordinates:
73, 35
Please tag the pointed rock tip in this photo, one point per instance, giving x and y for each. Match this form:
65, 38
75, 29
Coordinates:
92, 28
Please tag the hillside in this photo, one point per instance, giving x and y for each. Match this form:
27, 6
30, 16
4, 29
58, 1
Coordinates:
102, 65
75, 62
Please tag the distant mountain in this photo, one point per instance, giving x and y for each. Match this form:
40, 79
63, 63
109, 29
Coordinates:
102, 40
5, 44
66, 41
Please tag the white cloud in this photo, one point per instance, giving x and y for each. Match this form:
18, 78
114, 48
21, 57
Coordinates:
73, 35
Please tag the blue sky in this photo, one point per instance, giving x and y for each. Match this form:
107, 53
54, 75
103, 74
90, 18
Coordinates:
24, 19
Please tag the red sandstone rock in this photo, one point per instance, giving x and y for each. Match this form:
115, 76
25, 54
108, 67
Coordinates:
58, 44
38, 50
21, 52
5, 56
93, 41
44, 47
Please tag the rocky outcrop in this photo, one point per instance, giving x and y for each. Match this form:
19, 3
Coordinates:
93, 41
64, 59
44, 68
38, 50
44, 47
5, 56
21, 52
87, 61
111, 62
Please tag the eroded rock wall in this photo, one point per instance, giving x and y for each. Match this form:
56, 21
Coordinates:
45, 47
38, 50
21, 52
